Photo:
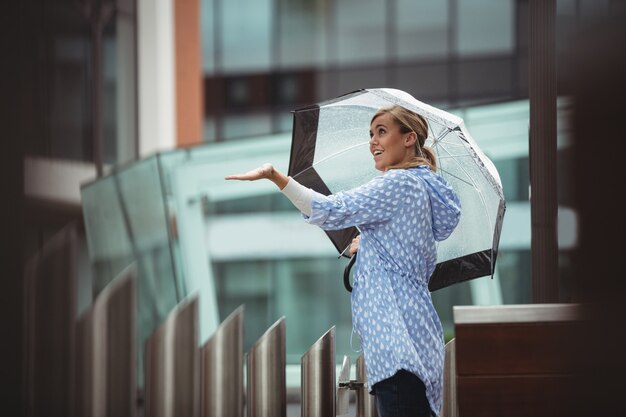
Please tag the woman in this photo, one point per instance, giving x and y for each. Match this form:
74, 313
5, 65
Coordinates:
401, 214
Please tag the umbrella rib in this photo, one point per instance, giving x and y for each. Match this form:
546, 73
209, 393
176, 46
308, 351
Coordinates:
480, 193
458, 178
436, 144
340, 152
455, 156
438, 138
458, 145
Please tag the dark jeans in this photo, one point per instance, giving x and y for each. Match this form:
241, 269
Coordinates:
402, 395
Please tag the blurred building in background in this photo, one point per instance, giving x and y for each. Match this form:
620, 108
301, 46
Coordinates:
140, 107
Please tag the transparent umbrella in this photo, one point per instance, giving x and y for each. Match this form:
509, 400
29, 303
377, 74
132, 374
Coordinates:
330, 153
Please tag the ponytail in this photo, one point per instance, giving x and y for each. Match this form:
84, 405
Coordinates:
427, 157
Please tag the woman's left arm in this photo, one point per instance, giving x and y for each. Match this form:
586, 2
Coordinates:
375, 202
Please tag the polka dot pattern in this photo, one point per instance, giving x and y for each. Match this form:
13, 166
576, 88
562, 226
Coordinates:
401, 214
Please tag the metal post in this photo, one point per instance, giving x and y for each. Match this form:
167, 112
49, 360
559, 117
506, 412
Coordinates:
105, 351
222, 368
171, 365
266, 385
365, 402
542, 151
449, 406
98, 15
318, 377
343, 388
50, 313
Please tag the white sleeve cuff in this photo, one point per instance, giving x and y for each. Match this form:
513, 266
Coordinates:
299, 195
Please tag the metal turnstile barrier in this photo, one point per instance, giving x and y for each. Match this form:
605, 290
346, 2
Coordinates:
365, 402
105, 351
172, 364
266, 385
318, 377
222, 369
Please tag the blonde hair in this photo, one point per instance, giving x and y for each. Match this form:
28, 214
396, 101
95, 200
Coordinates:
408, 122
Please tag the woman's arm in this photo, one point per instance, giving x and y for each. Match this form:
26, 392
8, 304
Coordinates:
377, 201
265, 171
298, 194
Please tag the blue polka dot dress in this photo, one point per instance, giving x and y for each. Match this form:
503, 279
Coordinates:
401, 214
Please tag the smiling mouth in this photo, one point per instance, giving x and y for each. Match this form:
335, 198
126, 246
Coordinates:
376, 153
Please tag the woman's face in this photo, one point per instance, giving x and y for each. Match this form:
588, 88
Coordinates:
388, 145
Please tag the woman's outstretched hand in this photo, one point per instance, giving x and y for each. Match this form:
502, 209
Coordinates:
265, 171
262, 172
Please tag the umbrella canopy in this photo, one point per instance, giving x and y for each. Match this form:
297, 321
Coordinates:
330, 153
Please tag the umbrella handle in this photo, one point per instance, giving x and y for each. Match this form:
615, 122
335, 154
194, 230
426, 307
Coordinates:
346, 273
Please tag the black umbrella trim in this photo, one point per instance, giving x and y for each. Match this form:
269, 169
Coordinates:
304, 137
461, 269
303, 141
496, 234
497, 188
333, 100
304, 134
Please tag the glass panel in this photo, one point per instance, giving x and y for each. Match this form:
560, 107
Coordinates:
515, 268
247, 283
360, 26
421, 28
486, 27
245, 31
207, 30
508, 170
270, 202
140, 188
110, 247
427, 83
210, 129
311, 290
284, 122
302, 26
354, 78
168, 162
126, 220
489, 77
307, 291
241, 126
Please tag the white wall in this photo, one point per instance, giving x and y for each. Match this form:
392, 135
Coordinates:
156, 76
